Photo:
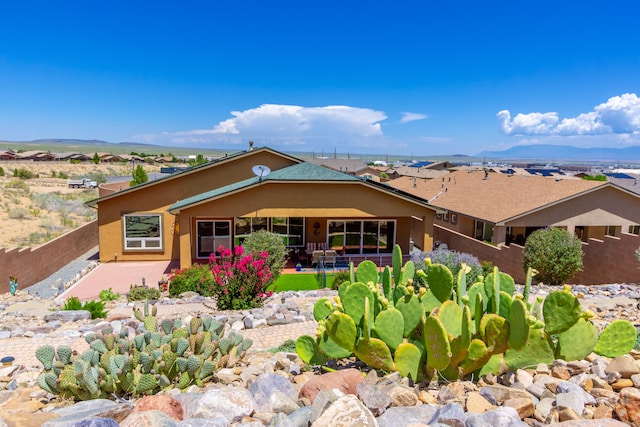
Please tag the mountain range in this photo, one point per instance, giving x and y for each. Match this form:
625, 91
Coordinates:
565, 152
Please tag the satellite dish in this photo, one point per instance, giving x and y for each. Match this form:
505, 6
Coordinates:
261, 171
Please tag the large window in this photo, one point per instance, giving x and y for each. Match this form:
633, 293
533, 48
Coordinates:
361, 237
143, 232
484, 231
211, 235
290, 228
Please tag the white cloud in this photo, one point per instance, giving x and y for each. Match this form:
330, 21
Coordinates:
291, 125
619, 115
292, 122
411, 117
527, 124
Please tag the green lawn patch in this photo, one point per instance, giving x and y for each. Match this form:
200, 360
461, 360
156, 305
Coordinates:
297, 282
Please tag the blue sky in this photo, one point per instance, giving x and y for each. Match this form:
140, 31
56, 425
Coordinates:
416, 77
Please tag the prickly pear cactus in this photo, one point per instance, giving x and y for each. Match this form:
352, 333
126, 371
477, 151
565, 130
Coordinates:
165, 357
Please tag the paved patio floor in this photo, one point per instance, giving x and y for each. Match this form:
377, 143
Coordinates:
118, 276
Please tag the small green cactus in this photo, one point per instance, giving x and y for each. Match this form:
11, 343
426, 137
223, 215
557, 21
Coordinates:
115, 364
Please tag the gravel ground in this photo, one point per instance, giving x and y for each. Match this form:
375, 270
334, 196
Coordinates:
49, 287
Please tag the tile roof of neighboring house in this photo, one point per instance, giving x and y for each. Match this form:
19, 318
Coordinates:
497, 199
341, 165
630, 181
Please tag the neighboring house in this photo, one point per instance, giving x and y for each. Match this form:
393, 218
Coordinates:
35, 155
188, 215
72, 156
500, 208
7, 155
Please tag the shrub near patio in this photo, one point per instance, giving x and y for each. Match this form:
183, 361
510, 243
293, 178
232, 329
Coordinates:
197, 278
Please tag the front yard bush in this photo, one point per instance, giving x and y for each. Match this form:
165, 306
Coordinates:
554, 253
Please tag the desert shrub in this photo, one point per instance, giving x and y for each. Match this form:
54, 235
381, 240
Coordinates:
63, 175
96, 308
72, 303
554, 253
97, 176
261, 241
197, 278
1, 171
18, 213
17, 185
50, 225
240, 279
143, 292
638, 254
453, 260
339, 278
23, 173
109, 295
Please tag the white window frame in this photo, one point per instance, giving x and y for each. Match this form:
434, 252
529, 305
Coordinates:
362, 221
215, 237
143, 240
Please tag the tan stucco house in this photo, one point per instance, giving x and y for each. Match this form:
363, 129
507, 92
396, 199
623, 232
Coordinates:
188, 215
501, 208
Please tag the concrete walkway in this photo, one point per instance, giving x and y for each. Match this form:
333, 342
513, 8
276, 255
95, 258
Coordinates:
118, 276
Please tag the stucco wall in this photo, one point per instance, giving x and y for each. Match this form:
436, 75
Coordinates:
31, 265
611, 260
159, 195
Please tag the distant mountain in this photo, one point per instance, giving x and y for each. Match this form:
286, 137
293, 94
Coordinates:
565, 152
63, 141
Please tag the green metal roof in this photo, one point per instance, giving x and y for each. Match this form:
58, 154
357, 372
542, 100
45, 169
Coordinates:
300, 172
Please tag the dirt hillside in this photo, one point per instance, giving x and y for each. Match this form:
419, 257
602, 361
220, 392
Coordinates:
36, 210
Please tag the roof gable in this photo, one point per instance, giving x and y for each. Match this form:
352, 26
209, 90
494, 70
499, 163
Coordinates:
301, 172
190, 171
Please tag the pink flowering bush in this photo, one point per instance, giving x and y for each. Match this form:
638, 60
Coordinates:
240, 280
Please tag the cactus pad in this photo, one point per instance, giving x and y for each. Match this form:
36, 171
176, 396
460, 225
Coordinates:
342, 330
618, 338
561, 310
389, 327
375, 353
436, 344
440, 280
367, 272
578, 341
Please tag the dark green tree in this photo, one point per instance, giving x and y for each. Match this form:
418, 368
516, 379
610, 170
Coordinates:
139, 176
554, 253
96, 158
